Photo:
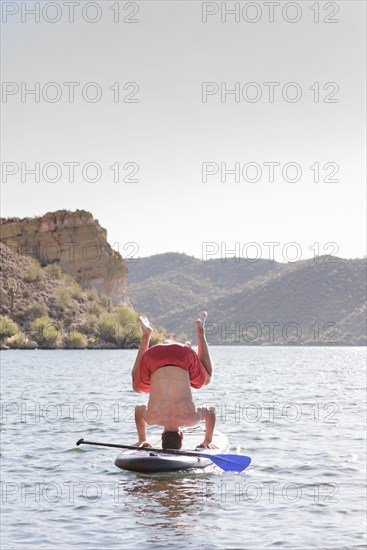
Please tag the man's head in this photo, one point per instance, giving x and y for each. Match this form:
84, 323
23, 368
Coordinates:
172, 440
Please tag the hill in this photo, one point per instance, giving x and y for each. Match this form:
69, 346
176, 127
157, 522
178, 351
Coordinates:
165, 284
312, 302
45, 307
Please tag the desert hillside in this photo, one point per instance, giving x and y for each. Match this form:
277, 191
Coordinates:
313, 302
44, 307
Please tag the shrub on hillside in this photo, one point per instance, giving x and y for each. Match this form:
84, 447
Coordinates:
90, 325
127, 335
95, 309
33, 273
76, 340
76, 292
63, 297
67, 278
7, 327
54, 270
108, 327
125, 315
19, 340
44, 332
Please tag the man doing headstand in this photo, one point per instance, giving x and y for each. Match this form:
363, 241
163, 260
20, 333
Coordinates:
167, 371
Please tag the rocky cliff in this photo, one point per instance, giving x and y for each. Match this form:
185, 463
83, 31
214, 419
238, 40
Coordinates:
77, 243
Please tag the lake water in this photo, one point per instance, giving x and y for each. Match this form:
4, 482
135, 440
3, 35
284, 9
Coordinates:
298, 412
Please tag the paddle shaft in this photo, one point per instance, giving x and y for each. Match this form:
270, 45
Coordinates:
166, 451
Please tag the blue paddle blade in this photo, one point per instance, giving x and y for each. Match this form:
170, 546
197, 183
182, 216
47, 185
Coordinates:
229, 463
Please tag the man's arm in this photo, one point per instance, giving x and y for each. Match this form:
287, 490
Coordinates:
141, 426
207, 414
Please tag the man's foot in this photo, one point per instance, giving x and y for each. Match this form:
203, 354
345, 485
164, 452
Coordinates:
200, 321
145, 326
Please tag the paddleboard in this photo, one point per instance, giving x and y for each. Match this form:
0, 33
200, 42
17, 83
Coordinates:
151, 462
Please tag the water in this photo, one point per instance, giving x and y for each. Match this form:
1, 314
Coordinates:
298, 412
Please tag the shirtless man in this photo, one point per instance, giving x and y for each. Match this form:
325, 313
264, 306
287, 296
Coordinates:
167, 371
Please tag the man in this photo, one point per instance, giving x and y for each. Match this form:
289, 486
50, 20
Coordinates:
167, 371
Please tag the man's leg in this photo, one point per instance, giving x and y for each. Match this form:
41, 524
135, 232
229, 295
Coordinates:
203, 350
144, 344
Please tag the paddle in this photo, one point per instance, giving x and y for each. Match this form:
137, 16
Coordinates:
229, 463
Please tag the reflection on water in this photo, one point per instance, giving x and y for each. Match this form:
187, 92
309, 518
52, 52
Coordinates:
167, 501
168, 495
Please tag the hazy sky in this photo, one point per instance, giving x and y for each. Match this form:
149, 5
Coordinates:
164, 130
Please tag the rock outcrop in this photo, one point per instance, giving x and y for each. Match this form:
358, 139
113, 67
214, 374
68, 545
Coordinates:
77, 243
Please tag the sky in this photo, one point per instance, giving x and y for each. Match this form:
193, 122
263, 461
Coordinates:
176, 95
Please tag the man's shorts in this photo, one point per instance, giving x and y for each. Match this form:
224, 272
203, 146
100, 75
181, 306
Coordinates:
163, 355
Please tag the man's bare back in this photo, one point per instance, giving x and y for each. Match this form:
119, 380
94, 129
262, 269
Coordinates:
170, 402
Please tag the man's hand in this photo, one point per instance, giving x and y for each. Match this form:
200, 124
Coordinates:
207, 445
141, 444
